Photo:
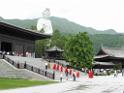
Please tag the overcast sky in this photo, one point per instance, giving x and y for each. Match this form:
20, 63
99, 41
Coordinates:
99, 14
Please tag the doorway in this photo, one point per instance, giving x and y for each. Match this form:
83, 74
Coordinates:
5, 46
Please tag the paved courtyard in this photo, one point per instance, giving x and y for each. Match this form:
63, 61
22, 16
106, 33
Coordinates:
99, 84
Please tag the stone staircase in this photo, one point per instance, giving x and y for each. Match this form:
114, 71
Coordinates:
37, 63
9, 71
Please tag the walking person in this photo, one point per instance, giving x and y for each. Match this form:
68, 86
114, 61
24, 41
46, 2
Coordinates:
90, 73
122, 71
74, 76
61, 68
54, 67
58, 67
78, 74
115, 73
46, 65
61, 76
70, 72
49, 66
66, 73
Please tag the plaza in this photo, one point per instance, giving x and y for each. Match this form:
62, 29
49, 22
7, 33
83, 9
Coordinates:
99, 84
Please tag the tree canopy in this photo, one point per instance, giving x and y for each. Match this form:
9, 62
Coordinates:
58, 39
79, 50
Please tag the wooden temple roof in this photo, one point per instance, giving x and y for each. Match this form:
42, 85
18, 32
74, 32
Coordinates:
9, 29
103, 63
54, 49
110, 54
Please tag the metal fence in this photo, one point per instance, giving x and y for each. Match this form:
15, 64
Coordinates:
1, 56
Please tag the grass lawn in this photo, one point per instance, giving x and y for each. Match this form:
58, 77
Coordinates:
7, 83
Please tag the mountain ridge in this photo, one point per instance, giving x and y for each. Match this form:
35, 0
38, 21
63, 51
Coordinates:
63, 25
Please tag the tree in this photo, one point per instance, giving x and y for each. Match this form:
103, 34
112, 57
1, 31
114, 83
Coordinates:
33, 27
79, 50
40, 47
58, 39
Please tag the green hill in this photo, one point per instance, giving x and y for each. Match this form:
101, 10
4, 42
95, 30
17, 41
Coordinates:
108, 40
63, 25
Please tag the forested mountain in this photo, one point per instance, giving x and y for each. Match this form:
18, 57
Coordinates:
67, 26
112, 41
63, 25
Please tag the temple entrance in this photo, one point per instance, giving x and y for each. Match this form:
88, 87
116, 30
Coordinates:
5, 46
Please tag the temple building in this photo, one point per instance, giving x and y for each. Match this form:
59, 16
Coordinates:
103, 65
18, 40
110, 55
54, 53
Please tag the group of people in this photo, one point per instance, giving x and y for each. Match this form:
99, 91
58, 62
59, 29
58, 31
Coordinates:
27, 54
69, 72
116, 72
6, 53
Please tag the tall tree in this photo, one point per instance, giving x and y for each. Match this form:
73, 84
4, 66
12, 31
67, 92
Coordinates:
40, 47
58, 39
79, 50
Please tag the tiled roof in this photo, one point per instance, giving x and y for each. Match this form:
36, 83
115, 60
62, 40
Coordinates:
54, 48
103, 63
14, 29
112, 52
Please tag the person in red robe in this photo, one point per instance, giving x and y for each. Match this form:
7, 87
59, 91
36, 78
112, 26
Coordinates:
90, 73
70, 72
54, 66
61, 68
78, 74
58, 67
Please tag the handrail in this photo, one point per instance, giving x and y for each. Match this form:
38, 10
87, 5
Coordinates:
1, 56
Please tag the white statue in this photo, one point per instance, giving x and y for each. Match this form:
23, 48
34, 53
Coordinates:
44, 24
46, 13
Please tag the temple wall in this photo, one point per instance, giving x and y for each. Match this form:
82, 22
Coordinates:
20, 45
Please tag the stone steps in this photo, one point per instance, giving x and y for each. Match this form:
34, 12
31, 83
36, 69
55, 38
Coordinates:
38, 63
7, 70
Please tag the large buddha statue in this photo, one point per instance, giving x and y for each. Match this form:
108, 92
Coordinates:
44, 24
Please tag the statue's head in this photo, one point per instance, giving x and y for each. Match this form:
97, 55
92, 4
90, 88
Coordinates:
46, 13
